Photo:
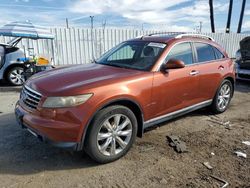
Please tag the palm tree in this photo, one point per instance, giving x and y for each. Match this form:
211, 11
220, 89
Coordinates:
212, 15
229, 16
241, 15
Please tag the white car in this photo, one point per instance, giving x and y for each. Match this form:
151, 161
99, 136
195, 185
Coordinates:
11, 69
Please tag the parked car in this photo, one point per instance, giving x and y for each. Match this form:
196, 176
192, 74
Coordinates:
11, 69
102, 107
243, 60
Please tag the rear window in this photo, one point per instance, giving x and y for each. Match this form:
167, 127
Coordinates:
218, 53
204, 52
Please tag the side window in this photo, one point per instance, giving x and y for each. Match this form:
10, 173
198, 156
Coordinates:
124, 53
182, 52
218, 53
204, 52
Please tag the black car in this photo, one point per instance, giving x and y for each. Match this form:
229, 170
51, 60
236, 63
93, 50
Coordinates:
243, 60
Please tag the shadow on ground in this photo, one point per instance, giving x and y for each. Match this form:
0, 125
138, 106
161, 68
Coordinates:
243, 86
22, 153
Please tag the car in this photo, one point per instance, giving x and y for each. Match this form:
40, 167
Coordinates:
243, 60
103, 106
11, 69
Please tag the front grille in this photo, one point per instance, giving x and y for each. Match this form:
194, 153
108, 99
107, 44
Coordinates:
30, 97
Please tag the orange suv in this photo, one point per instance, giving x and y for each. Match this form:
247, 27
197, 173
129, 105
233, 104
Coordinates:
101, 107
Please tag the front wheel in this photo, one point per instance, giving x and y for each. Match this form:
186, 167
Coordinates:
223, 97
15, 76
111, 134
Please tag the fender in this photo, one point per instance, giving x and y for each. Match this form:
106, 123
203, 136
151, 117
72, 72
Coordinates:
117, 100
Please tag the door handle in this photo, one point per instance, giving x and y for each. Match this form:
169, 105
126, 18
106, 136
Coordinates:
221, 67
194, 72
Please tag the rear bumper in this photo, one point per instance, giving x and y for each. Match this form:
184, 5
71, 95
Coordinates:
56, 133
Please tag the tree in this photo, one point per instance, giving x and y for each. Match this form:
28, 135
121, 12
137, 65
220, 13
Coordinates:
212, 15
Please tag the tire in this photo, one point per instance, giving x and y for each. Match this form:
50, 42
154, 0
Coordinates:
223, 97
108, 147
15, 76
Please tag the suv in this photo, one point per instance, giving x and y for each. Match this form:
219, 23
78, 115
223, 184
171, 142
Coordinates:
101, 107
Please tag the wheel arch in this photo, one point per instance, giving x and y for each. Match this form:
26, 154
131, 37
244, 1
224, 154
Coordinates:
129, 103
232, 80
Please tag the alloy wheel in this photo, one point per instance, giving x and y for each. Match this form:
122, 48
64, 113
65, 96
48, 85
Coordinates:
224, 96
16, 76
114, 134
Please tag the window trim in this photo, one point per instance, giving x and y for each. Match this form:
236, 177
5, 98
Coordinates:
194, 54
211, 61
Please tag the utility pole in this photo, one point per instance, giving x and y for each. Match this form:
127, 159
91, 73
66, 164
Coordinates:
229, 16
241, 16
67, 23
200, 26
92, 36
211, 7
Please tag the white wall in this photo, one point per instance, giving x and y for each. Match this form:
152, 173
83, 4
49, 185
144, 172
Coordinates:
74, 45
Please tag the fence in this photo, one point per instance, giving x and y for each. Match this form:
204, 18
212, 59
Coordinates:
75, 45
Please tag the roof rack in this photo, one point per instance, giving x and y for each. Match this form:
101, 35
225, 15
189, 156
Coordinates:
162, 33
194, 35
181, 35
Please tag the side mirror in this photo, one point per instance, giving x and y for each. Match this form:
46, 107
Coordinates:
172, 64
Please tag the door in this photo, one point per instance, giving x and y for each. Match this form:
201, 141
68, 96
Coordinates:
177, 88
1, 56
211, 64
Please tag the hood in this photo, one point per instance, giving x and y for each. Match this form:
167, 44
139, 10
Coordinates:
74, 79
245, 48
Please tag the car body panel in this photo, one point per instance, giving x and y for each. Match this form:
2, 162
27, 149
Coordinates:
174, 90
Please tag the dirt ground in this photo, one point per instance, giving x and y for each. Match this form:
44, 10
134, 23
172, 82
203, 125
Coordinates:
26, 162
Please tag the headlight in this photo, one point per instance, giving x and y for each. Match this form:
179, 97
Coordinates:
69, 101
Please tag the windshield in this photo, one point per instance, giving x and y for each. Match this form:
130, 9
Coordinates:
140, 55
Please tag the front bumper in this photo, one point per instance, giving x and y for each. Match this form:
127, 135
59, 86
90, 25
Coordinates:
242, 74
59, 134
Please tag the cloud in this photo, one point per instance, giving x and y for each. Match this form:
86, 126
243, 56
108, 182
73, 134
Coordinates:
247, 12
25, 1
246, 25
140, 10
153, 12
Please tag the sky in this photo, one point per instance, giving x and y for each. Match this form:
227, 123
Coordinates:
169, 15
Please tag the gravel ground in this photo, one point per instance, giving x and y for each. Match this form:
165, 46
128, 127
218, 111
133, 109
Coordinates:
26, 162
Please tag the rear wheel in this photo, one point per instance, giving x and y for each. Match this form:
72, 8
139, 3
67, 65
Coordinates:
223, 97
112, 134
15, 76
